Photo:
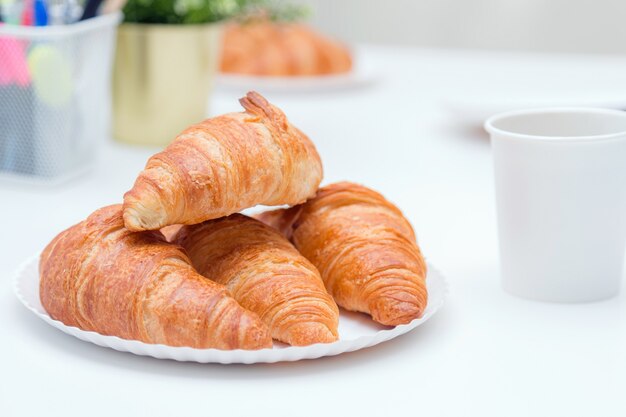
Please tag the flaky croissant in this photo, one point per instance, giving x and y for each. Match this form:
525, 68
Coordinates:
224, 165
98, 276
281, 49
266, 275
364, 248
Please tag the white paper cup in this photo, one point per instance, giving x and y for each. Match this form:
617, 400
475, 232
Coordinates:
561, 200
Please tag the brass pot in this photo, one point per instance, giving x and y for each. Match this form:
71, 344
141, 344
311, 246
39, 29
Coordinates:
162, 79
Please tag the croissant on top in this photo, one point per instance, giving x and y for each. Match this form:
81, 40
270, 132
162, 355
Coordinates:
224, 165
364, 248
266, 275
280, 49
98, 276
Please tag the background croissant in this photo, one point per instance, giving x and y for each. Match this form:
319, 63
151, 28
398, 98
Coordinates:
281, 49
99, 276
224, 165
364, 248
265, 274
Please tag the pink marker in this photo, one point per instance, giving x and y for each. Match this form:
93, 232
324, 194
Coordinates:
14, 68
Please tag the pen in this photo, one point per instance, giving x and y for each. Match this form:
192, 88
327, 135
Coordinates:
91, 8
41, 14
5, 10
57, 12
27, 13
73, 11
11, 11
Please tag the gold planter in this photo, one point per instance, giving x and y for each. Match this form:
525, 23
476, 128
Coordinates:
162, 79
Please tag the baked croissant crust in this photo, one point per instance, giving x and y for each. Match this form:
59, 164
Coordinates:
281, 49
364, 248
224, 165
98, 276
266, 275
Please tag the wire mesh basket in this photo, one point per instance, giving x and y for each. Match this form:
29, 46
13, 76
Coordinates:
55, 97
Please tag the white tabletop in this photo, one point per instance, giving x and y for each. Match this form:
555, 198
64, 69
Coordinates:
485, 353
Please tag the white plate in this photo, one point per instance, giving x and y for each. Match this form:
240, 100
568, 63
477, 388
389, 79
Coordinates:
355, 79
356, 331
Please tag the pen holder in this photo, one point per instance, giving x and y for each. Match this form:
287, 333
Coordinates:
55, 98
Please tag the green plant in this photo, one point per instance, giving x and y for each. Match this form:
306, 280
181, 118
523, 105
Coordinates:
206, 11
282, 11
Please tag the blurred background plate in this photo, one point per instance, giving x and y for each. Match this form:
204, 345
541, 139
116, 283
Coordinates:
357, 331
359, 78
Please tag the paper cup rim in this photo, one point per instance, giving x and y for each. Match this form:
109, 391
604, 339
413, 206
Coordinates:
491, 129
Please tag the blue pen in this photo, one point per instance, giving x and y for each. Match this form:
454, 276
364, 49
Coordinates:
41, 13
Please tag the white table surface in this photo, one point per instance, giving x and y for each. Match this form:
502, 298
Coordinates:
485, 353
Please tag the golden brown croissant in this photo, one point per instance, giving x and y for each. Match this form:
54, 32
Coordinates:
98, 276
224, 165
266, 275
281, 49
364, 248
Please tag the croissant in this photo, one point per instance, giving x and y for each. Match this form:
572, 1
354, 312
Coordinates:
224, 165
364, 248
281, 49
98, 276
266, 275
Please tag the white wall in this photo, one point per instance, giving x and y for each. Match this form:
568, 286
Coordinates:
597, 26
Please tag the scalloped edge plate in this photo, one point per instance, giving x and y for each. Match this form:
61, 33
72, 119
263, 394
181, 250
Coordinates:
357, 331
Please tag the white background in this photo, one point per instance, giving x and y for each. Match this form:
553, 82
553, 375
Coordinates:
593, 26
484, 353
